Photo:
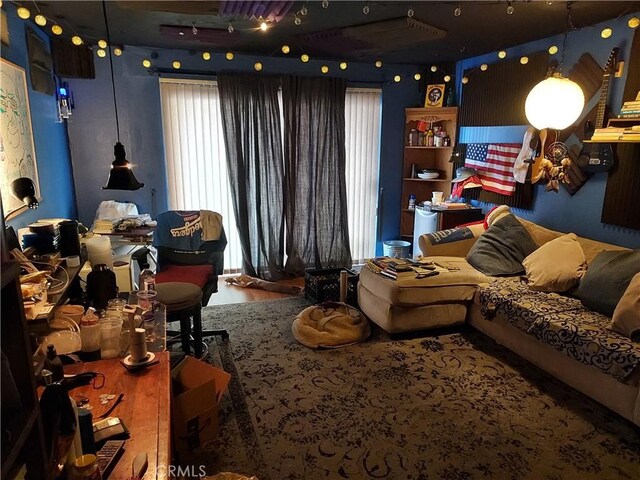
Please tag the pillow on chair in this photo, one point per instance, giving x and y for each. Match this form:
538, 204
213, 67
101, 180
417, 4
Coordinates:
196, 274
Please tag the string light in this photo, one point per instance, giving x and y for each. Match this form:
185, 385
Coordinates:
229, 56
553, 50
378, 64
510, 9
502, 54
524, 60
296, 19
324, 69
230, 28
23, 13
366, 9
117, 51
76, 40
484, 67
447, 78
458, 11
102, 43
56, 29
304, 57
101, 53
206, 56
146, 63
434, 68
343, 65
176, 64
257, 66
397, 78
263, 26
634, 22
465, 80
410, 12
417, 76
40, 20
285, 49
606, 32
325, 3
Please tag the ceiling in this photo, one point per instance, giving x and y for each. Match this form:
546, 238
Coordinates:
340, 31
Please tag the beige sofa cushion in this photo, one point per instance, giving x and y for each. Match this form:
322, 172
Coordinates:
447, 286
626, 316
556, 266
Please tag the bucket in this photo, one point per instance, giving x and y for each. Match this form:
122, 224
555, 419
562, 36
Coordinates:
396, 249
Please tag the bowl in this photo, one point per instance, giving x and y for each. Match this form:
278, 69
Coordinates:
428, 175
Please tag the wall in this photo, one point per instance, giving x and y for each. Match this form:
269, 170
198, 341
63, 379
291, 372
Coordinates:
50, 138
560, 211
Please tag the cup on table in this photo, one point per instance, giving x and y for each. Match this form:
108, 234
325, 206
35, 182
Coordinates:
110, 328
146, 298
437, 197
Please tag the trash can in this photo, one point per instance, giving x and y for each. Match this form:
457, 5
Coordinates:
396, 248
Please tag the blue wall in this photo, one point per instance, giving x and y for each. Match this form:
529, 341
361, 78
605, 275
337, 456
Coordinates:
92, 127
580, 213
50, 138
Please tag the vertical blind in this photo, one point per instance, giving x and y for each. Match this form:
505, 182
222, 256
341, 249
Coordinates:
363, 109
195, 156
197, 169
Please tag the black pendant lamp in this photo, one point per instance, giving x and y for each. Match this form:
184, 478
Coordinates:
121, 176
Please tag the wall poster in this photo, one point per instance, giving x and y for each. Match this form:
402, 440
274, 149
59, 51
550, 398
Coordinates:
17, 152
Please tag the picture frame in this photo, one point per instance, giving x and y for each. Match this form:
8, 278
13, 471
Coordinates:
435, 95
17, 149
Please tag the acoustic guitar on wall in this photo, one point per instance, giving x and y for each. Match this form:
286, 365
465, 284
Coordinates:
599, 157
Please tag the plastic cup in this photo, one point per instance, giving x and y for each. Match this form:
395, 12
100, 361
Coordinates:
146, 298
437, 197
110, 337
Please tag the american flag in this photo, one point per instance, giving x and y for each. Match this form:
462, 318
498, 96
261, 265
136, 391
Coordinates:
494, 163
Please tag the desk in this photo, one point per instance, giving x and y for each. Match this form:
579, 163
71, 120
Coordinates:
145, 410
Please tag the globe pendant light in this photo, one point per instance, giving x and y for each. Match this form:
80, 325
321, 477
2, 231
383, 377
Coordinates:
121, 176
556, 102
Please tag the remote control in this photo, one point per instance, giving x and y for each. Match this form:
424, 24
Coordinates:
108, 456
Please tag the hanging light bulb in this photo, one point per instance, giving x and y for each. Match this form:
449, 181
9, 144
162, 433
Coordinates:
502, 54
304, 57
229, 56
324, 69
117, 51
257, 66
417, 76
206, 56
397, 78
458, 11
378, 64
606, 32
524, 60
194, 29
101, 53
465, 80
634, 22
102, 43
230, 28
296, 19
510, 9
556, 102
484, 67
176, 64
304, 10
76, 40
40, 20
56, 29
343, 65
264, 26
365, 9
410, 12
447, 78
285, 49
146, 63
553, 50
23, 13
434, 68
325, 3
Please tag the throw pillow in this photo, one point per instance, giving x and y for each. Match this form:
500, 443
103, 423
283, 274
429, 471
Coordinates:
502, 248
626, 316
556, 266
607, 279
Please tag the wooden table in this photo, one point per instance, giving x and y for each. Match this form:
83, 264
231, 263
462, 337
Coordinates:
145, 410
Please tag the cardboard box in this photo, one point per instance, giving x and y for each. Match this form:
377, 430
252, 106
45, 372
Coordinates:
197, 390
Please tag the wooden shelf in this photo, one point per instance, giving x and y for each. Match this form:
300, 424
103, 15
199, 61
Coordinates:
409, 179
427, 148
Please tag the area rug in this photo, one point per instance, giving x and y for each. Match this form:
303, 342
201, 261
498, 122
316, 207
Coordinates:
452, 405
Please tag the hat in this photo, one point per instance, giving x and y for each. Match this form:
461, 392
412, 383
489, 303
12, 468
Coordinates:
463, 173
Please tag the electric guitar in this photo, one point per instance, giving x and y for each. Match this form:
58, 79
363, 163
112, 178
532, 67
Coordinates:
599, 157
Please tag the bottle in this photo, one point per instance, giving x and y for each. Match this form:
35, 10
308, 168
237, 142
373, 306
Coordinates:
412, 135
412, 202
430, 138
414, 173
147, 279
90, 337
53, 363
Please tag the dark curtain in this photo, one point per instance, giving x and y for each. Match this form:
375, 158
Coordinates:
315, 192
252, 133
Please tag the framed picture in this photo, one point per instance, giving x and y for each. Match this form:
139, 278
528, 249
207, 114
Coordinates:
434, 96
17, 152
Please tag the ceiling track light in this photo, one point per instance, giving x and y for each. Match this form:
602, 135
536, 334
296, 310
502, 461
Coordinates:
458, 11
366, 8
510, 9
194, 29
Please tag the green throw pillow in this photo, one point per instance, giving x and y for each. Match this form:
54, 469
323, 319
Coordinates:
607, 279
501, 249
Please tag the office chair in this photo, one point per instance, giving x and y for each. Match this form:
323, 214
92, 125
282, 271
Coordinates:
186, 260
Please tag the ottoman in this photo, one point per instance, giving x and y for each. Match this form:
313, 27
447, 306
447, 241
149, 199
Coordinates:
408, 304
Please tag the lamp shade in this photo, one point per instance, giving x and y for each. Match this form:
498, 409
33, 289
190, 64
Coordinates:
24, 189
121, 176
556, 103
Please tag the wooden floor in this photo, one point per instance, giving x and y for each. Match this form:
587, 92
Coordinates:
228, 294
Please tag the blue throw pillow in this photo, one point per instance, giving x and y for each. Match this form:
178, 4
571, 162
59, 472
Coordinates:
607, 279
501, 249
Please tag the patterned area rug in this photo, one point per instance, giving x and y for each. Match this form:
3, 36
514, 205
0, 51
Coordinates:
446, 406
